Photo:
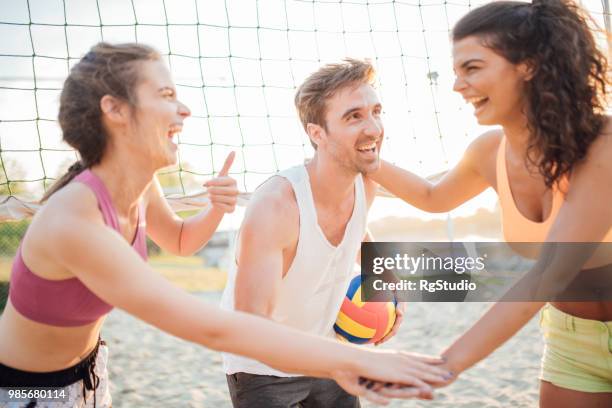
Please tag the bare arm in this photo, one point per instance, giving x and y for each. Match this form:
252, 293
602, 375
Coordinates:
79, 242
269, 226
579, 220
185, 237
463, 182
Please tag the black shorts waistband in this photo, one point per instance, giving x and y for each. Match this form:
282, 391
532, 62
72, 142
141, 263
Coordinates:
83, 370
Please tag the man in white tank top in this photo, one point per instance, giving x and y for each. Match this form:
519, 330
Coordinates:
302, 232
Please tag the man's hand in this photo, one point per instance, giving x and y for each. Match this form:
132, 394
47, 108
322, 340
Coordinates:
386, 390
400, 309
420, 374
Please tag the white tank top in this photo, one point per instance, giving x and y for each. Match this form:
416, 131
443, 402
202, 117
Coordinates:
313, 288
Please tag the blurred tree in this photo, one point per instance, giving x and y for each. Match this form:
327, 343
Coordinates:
3, 294
10, 170
174, 181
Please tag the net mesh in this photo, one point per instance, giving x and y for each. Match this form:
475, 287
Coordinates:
236, 64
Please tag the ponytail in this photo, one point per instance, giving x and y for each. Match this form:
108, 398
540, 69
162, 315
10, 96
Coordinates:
73, 171
105, 70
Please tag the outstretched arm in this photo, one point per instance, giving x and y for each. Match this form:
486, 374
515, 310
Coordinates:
109, 267
493, 329
465, 181
585, 217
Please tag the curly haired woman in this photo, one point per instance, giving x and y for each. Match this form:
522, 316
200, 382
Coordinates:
535, 70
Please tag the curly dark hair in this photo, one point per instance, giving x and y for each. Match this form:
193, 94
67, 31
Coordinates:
566, 97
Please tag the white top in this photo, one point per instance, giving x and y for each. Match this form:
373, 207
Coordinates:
315, 285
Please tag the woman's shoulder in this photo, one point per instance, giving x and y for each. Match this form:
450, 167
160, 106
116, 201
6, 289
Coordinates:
601, 148
488, 142
61, 219
605, 136
69, 206
482, 152
75, 199
596, 167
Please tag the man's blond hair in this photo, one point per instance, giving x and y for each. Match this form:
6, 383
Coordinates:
311, 97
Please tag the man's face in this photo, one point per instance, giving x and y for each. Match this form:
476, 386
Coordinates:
354, 129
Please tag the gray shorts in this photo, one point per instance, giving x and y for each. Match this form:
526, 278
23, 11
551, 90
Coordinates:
267, 391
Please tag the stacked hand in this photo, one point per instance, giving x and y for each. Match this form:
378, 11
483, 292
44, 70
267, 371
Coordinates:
389, 374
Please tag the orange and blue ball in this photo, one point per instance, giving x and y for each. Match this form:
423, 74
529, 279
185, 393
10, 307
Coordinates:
363, 322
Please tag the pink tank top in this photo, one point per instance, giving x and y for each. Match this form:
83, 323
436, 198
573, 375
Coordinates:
68, 302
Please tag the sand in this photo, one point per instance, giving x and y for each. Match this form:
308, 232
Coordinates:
150, 368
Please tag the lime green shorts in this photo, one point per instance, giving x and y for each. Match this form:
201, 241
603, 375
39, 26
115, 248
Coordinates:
577, 352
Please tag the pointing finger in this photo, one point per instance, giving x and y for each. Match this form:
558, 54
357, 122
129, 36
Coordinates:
228, 163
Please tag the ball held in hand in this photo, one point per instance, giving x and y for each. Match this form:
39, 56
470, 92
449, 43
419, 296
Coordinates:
363, 322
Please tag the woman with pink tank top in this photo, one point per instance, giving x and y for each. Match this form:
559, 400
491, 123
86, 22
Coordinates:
84, 252
535, 70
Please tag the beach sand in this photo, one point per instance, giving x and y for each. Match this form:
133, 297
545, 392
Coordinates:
150, 368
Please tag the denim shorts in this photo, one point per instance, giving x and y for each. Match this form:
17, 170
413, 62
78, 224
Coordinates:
577, 353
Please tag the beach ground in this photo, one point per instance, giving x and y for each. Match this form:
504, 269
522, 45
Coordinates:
151, 368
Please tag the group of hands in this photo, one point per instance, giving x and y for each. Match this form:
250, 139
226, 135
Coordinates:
409, 375
414, 375
417, 374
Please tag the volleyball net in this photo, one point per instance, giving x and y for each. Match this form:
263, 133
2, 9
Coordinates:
236, 64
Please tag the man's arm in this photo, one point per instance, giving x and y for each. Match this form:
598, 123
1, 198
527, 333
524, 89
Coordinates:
270, 226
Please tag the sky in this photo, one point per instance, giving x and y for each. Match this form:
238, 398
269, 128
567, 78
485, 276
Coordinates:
236, 64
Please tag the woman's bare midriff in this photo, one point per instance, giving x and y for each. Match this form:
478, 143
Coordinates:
30, 346
601, 311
